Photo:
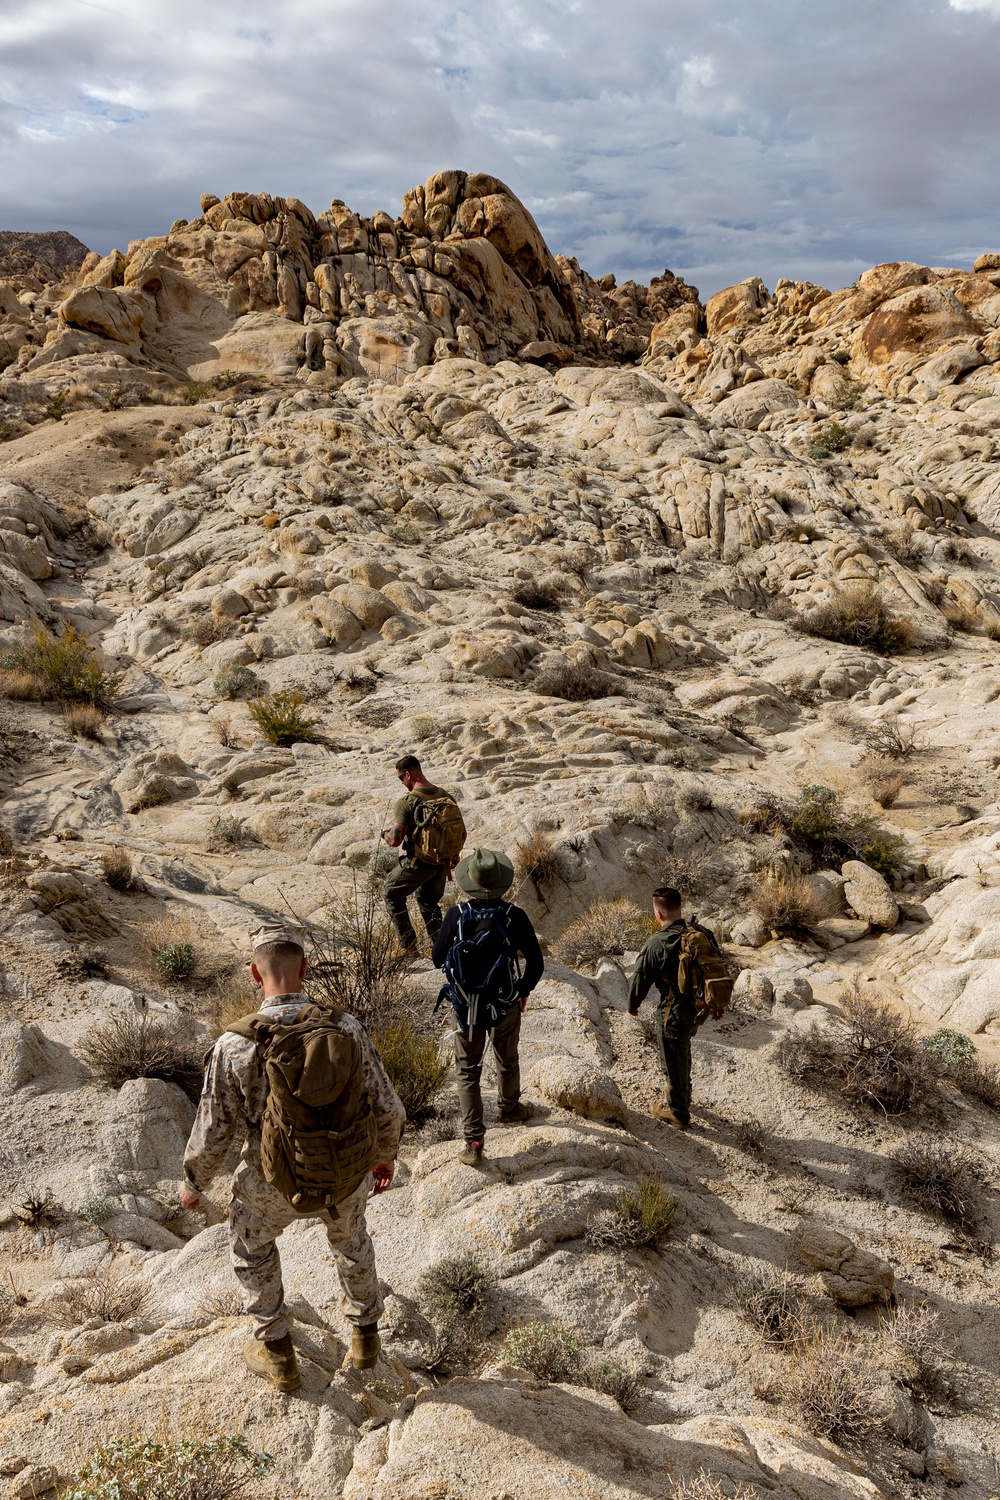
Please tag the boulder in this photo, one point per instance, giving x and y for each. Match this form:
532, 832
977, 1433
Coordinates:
35, 1480
338, 624
366, 604
736, 306
748, 406
154, 777
918, 321
22, 1055
851, 1276
388, 348
867, 893
229, 604
580, 1087
753, 990
750, 931
145, 1130
111, 312
792, 991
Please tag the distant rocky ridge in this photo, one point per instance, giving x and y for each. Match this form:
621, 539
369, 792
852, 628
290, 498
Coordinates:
31, 261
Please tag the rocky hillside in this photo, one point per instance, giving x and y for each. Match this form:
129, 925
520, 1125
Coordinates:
32, 261
665, 592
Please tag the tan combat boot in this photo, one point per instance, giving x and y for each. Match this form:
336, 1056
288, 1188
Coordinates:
514, 1114
274, 1360
365, 1346
662, 1111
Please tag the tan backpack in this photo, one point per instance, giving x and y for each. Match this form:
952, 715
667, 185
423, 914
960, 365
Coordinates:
702, 975
439, 831
318, 1134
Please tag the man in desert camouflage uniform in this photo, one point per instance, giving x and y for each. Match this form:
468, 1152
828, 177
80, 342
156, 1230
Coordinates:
232, 1106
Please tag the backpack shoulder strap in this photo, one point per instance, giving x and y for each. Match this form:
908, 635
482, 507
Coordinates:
246, 1026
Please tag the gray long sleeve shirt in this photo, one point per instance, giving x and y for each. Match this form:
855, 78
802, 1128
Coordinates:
234, 1094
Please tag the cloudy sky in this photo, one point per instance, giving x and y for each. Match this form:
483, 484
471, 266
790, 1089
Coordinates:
721, 138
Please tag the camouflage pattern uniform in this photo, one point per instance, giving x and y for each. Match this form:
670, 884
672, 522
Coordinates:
232, 1105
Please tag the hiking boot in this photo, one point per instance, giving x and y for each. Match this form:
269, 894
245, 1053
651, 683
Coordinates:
274, 1360
514, 1114
665, 1113
365, 1346
472, 1155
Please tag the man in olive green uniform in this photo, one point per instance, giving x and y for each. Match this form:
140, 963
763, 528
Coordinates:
413, 875
676, 1020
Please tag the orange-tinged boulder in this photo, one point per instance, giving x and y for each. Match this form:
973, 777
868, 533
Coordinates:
918, 321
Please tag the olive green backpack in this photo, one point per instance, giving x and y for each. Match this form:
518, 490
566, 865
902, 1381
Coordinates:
318, 1134
702, 975
439, 831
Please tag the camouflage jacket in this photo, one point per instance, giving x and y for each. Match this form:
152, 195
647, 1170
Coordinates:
232, 1101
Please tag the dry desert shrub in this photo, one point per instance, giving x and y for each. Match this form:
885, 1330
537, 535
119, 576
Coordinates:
884, 778
84, 720
164, 1467
649, 807
549, 1351
65, 666
875, 1060
858, 615
967, 621
839, 1384
773, 1306
642, 1215
459, 1295
577, 682
531, 594
705, 1486
415, 1065
112, 1293
615, 926
116, 867
23, 686
916, 1353
280, 717
615, 1380
229, 832
536, 859
904, 545
127, 1047
787, 904
221, 1301
943, 1179
890, 735
235, 995
750, 1134
356, 962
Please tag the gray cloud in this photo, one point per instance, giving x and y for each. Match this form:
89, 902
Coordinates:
719, 137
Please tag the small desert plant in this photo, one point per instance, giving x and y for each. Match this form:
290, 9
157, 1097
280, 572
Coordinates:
890, 735
23, 686
577, 682
950, 1046
606, 927
968, 621
886, 793
622, 1385
126, 1047
941, 1179
424, 726
84, 720
704, 1487
280, 719
838, 1381
459, 1294
414, 1064
176, 962
549, 1351
116, 867
642, 1215
773, 1307
227, 379
207, 629
533, 595
956, 549
847, 394
832, 438
787, 904
833, 833
39, 1210
651, 807
536, 859
98, 1209
111, 1293
56, 408
979, 1080
857, 615
875, 1060
222, 1302
176, 1469
194, 392
234, 997
992, 628
236, 682
904, 545
65, 666
751, 1135
357, 963
230, 832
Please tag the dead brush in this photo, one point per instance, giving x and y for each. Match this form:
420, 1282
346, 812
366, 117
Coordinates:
704, 1486
357, 963
875, 1060
858, 615
530, 593
221, 1301
884, 779
111, 1293
23, 686
946, 1180
751, 1135
917, 1356
127, 1047
577, 682
84, 720
890, 735
773, 1306
235, 996
838, 1382
613, 926
787, 904
536, 859
117, 869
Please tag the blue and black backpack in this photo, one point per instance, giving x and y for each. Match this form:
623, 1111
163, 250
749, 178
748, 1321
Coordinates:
482, 970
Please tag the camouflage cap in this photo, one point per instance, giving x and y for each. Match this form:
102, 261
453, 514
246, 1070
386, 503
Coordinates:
278, 932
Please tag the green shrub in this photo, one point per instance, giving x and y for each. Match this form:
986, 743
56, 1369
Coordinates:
834, 437
549, 1351
176, 962
69, 667
950, 1046
195, 391
607, 927
128, 1047
642, 1215
280, 719
56, 408
847, 394
832, 833
414, 1064
179, 1469
620, 1384
230, 832
236, 682
227, 379
458, 1286
857, 615
98, 1209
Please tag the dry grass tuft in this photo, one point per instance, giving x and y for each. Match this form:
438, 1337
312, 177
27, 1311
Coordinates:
751, 1135
704, 1487
531, 594
111, 1293
535, 859
642, 1215
116, 867
84, 719
942, 1179
859, 616
615, 926
773, 1307
577, 682
787, 904
234, 997
23, 686
126, 1047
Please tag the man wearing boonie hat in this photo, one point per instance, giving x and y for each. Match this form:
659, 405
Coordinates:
234, 1105
480, 947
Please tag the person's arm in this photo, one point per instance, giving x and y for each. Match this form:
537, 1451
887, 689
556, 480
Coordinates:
396, 832
526, 942
390, 1116
647, 968
445, 937
220, 1114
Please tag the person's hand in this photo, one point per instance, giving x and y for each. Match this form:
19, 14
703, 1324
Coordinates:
188, 1196
383, 1173
717, 1015
522, 1002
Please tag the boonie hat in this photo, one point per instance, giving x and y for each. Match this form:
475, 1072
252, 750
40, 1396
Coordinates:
485, 872
278, 932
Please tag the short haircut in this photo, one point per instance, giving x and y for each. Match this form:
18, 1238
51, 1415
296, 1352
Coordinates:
408, 763
278, 955
666, 898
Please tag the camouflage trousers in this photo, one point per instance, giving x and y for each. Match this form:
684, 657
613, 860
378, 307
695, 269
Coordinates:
257, 1215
